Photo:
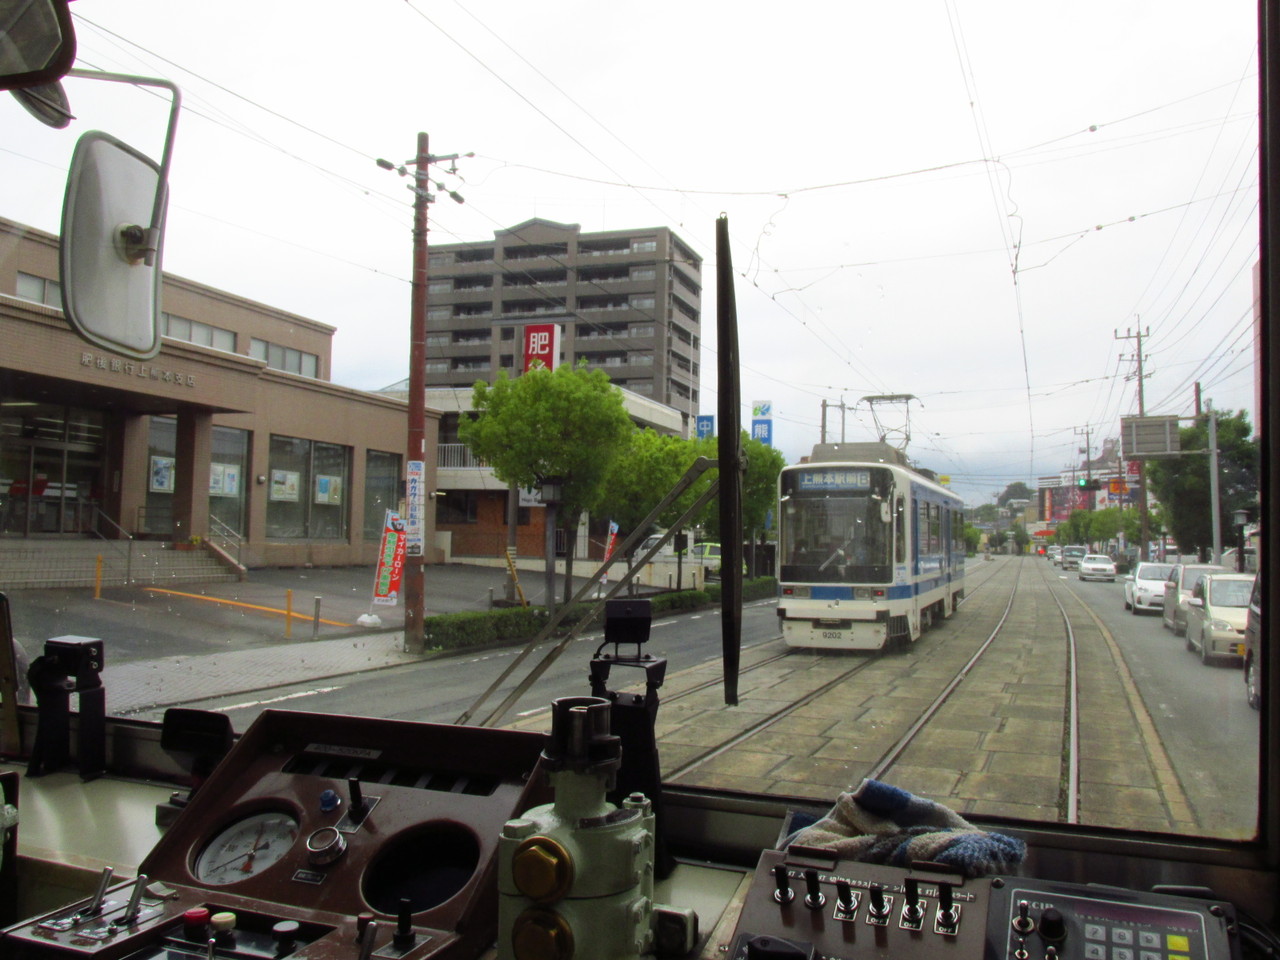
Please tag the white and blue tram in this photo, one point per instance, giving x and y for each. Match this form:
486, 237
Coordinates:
870, 551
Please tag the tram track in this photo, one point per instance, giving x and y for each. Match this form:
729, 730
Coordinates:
1052, 688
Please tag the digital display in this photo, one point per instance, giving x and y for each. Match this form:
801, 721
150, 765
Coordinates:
833, 479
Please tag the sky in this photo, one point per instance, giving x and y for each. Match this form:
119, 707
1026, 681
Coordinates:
974, 202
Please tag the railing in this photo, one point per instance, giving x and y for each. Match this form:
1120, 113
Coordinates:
458, 456
230, 540
99, 515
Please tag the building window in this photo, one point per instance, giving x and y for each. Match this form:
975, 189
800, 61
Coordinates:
280, 357
381, 490
229, 464
194, 331
439, 313
644, 273
39, 290
459, 506
440, 286
307, 489
644, 246
642, 302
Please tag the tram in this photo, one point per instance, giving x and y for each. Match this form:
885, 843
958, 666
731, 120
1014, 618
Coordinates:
871, 551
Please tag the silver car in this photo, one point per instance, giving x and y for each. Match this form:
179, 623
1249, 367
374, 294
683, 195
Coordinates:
1177, 591
1144, 588
1095, 566
1216, 615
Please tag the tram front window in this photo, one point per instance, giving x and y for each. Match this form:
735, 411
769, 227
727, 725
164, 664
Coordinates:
836, 540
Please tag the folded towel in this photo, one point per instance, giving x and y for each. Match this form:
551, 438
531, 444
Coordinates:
879, 823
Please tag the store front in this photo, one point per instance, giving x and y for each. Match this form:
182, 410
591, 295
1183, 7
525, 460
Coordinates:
51, 469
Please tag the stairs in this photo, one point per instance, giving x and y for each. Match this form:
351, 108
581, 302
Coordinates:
34, 564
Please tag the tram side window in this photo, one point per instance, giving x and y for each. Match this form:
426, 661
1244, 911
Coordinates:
900, 531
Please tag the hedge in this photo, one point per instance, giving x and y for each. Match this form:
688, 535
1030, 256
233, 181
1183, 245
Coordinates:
486, 628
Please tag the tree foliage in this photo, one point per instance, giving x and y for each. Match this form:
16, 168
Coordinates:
1015, 491
1182, 484
645, 472
568, 423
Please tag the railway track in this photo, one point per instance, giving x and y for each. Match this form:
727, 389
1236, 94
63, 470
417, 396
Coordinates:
983, 712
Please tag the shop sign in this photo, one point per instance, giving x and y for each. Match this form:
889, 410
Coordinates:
155, 372
414, 504
388, 580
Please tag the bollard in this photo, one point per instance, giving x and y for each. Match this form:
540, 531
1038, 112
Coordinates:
97, 579
491, 598
315, 620
288, 614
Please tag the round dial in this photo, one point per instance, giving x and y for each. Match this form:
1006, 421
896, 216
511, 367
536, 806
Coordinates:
246, 847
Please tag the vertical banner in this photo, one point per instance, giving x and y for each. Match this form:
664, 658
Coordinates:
762, 421
608, 548
706, 425
389, 576
541, 345
415, 498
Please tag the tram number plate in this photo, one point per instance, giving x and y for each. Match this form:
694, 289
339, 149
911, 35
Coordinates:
832, 634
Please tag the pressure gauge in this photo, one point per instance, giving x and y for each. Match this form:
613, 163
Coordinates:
246, 848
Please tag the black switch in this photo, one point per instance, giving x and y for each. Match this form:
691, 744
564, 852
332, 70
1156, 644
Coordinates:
813, 898
783, 893
357, 811
404, 936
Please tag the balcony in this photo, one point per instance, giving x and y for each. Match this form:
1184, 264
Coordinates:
458, 456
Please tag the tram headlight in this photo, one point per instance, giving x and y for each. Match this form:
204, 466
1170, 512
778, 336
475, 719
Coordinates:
800, 593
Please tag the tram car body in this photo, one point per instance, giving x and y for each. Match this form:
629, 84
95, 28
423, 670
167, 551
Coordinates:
871, 551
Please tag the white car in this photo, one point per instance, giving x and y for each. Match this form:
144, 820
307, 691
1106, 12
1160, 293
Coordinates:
1095, 566
1144, 588
1216, 615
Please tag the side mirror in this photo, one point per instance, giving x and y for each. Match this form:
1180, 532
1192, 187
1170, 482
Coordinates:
37, 43
1195, 602
109, 259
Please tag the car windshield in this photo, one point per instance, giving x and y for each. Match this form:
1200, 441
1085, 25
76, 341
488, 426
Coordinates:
1153, 571
1190, 575
1229, 593
937, 265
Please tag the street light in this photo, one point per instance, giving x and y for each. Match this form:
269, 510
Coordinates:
1240, 518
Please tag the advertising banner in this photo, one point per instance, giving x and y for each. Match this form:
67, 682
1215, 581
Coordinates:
541, 345
608, 548
389, 576
415, 499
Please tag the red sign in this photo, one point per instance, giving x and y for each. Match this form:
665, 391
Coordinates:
541, 345
390, 573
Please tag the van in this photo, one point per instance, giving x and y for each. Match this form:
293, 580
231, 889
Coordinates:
1253, 647
1071, 557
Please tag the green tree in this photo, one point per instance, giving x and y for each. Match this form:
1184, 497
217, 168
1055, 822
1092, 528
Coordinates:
568, 423
759, 484
972, 537
1182, 485
1016, 491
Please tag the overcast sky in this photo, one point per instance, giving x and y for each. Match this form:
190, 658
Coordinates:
963, 200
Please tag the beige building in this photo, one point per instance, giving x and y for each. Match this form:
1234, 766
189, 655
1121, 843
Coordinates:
233, 431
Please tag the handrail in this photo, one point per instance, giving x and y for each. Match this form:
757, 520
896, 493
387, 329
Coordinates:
218, 528
100, 514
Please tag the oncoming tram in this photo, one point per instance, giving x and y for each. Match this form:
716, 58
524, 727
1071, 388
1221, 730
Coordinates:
871, 551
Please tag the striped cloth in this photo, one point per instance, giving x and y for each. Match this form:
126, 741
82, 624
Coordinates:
879, 823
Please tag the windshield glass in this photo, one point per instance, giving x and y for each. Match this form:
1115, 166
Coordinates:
1229, 593
972, 225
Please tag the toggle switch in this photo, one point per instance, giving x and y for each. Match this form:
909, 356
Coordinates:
948, 917
878, 911
366, 941
846, 902
358, 808
912, 914
1022, 923
783, 892
404, 936
94, 906
134, 906
813, 898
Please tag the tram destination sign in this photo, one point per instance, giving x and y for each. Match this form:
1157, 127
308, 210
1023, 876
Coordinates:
829, 479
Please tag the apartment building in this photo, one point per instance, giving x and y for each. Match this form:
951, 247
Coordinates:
628, 301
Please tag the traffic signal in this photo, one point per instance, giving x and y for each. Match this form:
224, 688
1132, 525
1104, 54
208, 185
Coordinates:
1086, 484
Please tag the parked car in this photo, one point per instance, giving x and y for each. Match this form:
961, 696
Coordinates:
1144, 588
1071, 557
1177, 591
1253, 636
1095, 566
1216, 614
708, 555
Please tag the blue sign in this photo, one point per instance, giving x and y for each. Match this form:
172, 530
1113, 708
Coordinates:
706, 425
833, 480
762, 430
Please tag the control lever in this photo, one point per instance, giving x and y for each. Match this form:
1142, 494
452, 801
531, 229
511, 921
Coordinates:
1022, 923
94, 906
135, 901
947, 914
878, 912
844, 897
911, 913
366, 942
358, 809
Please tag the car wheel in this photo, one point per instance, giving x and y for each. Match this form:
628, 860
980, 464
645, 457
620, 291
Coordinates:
1128, 605
1134, 610
1252, 691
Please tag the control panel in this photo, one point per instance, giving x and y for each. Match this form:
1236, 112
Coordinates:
321, 838
804, 904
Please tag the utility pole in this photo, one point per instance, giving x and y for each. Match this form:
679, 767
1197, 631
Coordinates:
416, 441
1144, 515
1088, 467
1215, 508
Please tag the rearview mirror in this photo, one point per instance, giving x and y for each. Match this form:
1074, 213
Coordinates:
37, 42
